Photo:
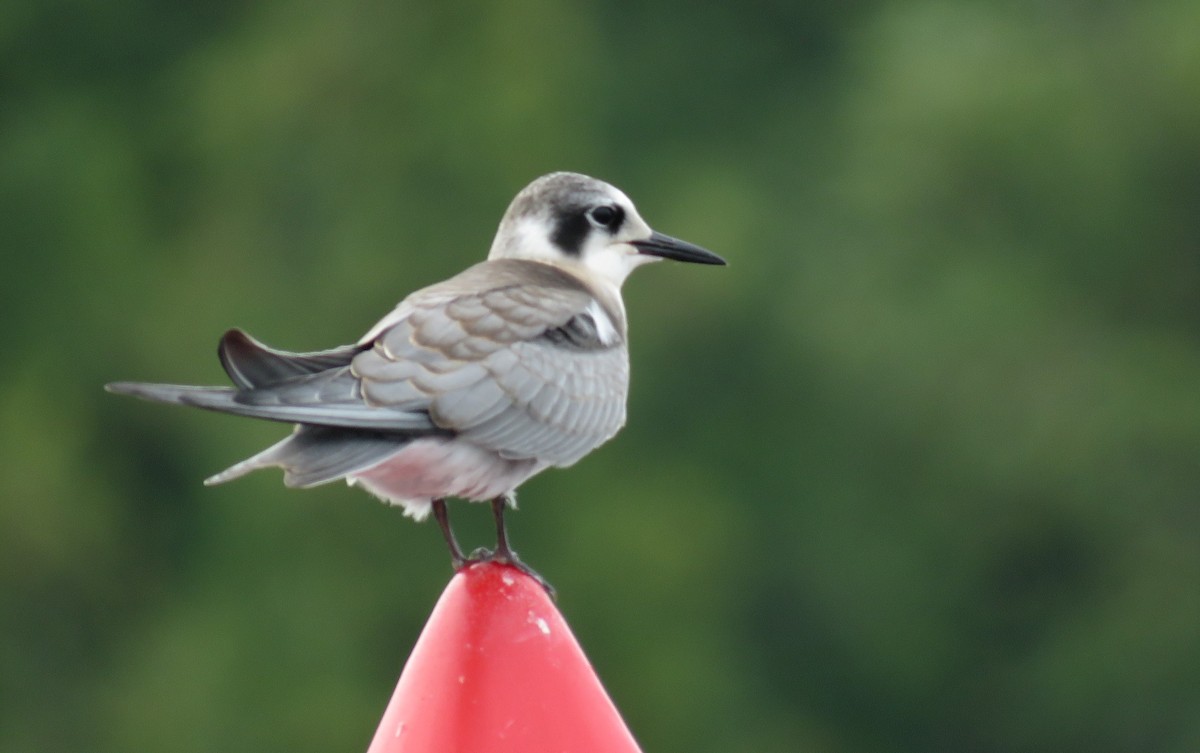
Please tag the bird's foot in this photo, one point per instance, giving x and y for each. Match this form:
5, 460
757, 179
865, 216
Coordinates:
508, 558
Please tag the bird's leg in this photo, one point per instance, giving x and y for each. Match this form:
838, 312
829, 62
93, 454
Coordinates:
443, 519
504, 553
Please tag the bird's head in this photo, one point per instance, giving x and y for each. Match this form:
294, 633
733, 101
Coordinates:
575, 221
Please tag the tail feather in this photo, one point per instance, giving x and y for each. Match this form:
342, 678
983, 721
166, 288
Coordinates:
180, 394
315, 455
352, 414
265, 459
336, 433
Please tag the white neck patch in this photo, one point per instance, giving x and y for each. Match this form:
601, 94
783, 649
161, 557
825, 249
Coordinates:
605, 329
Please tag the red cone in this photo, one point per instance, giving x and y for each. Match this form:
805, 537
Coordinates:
497, 669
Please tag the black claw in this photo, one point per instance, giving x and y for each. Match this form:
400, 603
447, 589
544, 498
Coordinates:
482, 554
510, 559
503, 554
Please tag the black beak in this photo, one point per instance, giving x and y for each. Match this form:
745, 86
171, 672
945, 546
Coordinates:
673, 248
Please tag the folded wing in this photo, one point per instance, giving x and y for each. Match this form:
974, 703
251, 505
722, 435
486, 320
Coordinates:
520, 368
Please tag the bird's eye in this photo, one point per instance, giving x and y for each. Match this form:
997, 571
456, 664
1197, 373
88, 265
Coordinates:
605, 216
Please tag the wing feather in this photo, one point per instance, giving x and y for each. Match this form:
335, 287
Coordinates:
250, 364
508, 355
491, 367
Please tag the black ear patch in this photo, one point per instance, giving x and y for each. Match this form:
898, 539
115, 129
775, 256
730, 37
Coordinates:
570, 230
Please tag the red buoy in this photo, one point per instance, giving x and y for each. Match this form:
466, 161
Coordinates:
496, 669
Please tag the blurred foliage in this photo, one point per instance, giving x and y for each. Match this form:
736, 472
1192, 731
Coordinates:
917, 471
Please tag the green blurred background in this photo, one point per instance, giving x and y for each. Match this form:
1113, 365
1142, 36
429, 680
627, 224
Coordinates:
918, 471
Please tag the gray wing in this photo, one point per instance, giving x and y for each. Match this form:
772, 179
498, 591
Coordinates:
252, 365
337, 433
521, 369
517, 357
306, 388
325, 399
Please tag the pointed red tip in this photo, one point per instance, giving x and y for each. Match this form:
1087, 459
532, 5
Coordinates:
496, 669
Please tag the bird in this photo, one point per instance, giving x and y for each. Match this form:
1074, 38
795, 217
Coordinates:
469, 386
